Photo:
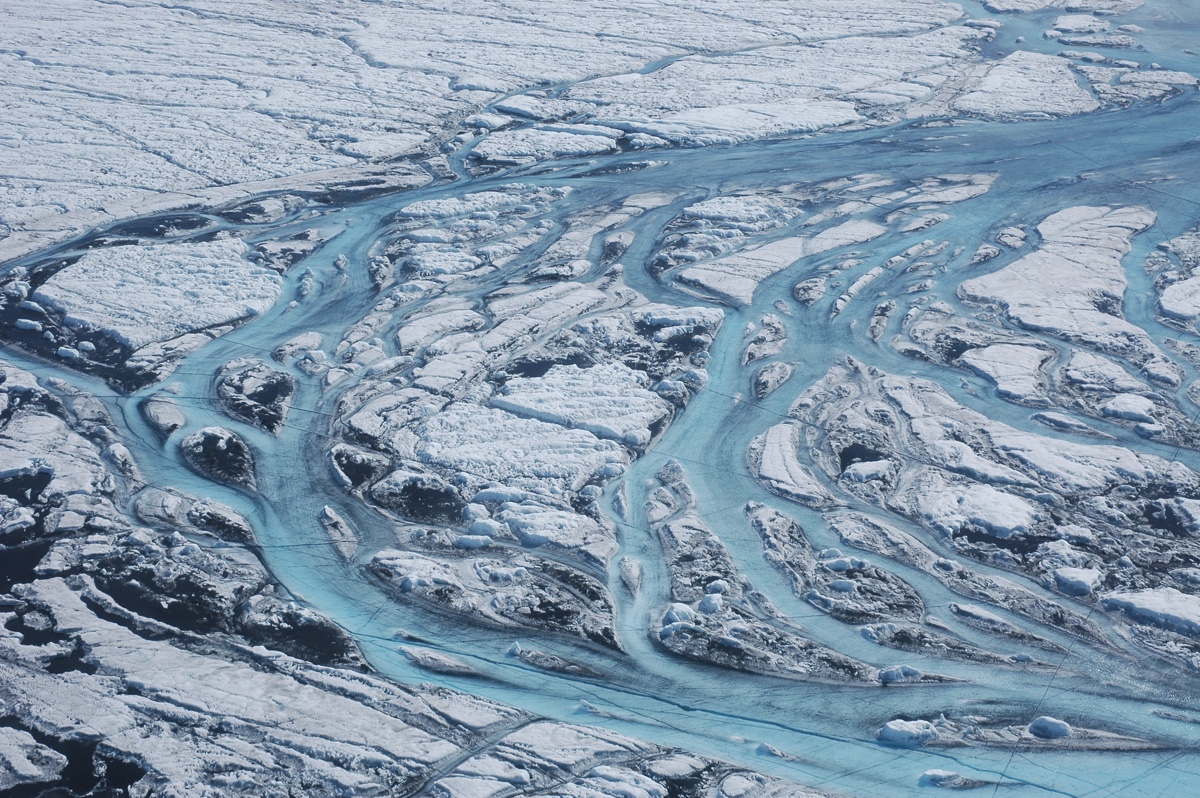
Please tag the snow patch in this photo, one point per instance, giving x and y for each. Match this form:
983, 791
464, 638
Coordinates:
1164, 607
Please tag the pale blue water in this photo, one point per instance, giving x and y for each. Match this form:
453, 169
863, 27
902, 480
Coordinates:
1144, 155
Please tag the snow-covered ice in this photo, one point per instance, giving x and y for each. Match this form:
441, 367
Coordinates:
26, 761
146, 294
736, 277
774, 461
1015, 369
1166, 607
907, 732
1027, 84
1069, 285
610, 401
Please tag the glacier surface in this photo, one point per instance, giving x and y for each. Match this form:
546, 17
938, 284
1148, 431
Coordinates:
753, 399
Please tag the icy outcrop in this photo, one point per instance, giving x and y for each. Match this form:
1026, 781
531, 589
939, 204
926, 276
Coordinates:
440, 321
488, 444
768, 339
529, 146
1179, 288
25, 761
907, 732
180, 288
851, 589
726, 246
1027, 85
1083, 380
175, 510
770, 378
1121, 85
1072, 287
993, 492
1166, 607
719, 225
735, 278
988, 621
716, 616
518, 590
1105, 389
163, 413
43, 456
130, 313
341, 534
610, 400
221, 454
252, 391
1043, 733
888, 541
1104, 6
947, 779
1049, 728
774, 461
1015, 369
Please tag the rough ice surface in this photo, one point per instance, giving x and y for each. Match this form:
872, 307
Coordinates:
500, 591
1065, 286
131, 312
26, 761
526, 454
774, 459
736, 277
1104, 6
1049, 728
1016, 370
907, 732
716, 616
142, 295
742, 400
610, 401
1165, 607
1027, 85
347, 88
